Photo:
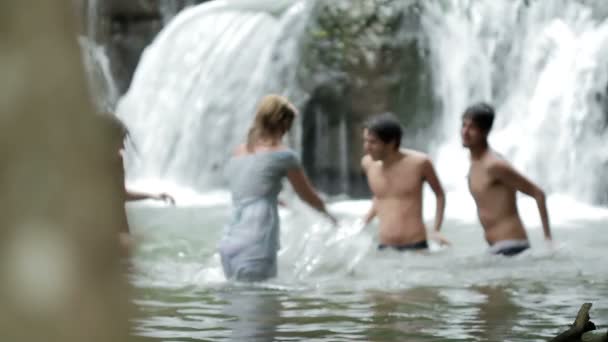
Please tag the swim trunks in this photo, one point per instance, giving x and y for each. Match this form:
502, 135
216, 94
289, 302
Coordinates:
509, 247
416, 246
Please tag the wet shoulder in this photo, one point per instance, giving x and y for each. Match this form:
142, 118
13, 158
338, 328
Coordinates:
415, 158
490, 170
493, 162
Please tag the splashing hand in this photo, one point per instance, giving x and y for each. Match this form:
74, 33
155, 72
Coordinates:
332, 218
550, 244
166, 198
442, 240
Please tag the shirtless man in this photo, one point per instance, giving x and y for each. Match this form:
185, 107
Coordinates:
396, 178
493, 182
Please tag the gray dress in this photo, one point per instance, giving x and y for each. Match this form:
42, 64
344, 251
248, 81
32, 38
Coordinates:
250, 242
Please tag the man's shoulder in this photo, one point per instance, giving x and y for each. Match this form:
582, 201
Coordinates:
415, 157
497, 166
493, 160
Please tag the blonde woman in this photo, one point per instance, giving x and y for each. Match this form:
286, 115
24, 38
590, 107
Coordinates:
248, 248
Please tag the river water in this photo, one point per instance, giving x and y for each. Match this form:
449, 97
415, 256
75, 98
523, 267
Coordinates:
334, 285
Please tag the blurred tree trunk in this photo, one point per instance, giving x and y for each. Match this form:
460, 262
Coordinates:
60, 196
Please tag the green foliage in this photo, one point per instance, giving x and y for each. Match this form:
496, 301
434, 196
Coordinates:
350, 35
367, 56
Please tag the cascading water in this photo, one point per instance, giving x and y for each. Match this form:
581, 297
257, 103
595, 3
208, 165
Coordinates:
542, 64
196, 87
100, 76
103, 87
539, 63
169, 9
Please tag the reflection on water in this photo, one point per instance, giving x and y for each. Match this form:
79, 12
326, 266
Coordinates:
401, 315
497, 313
252, 315
334, 285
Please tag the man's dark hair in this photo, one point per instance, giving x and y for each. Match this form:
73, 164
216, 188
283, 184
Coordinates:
386, 127
482, 115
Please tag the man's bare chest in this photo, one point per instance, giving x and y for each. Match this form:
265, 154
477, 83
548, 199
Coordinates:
481, 183
400, 182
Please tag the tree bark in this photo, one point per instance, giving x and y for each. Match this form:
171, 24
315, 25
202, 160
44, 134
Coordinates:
62, 278
581, 324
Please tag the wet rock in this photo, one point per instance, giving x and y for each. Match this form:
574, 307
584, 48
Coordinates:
361, 58
125, 28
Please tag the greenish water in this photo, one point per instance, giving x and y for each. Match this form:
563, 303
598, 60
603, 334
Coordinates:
346, 290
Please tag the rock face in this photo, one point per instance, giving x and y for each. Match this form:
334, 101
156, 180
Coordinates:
361, 58
125, 28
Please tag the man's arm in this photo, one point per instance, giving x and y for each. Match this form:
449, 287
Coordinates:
371, 213
366, 160
430, 176
365, 163
505, 173
136, 196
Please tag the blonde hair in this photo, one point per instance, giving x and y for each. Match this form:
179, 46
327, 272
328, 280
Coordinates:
273, 118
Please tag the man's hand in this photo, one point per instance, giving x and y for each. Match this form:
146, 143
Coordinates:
550, 243
332, 218
167, 198
437, 236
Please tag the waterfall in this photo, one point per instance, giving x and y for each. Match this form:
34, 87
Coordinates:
169, 9
542, 64
102, 85
539, 62
195, 89
101, 82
